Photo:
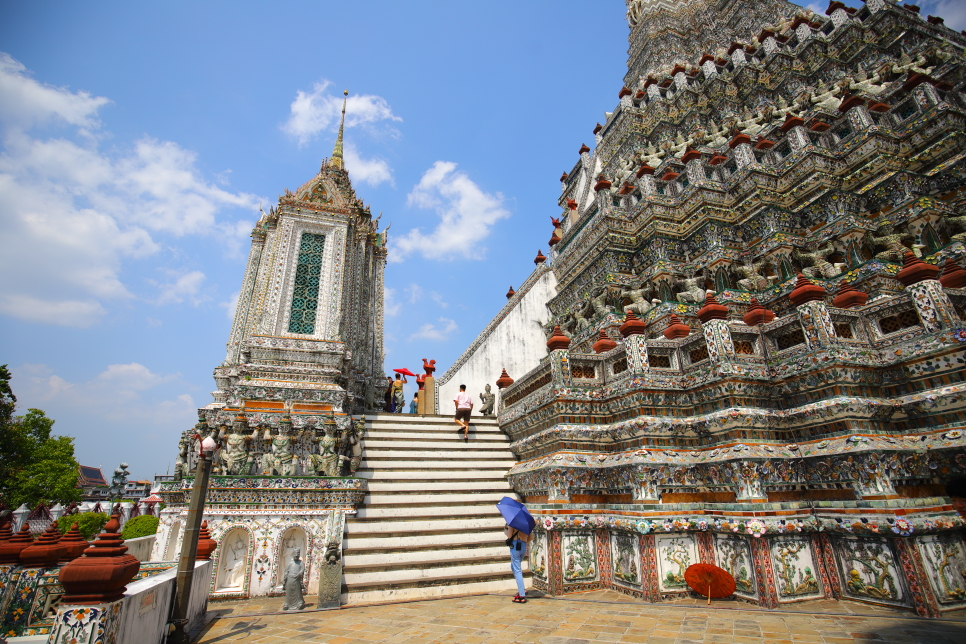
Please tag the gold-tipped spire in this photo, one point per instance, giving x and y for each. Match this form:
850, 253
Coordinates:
336, 160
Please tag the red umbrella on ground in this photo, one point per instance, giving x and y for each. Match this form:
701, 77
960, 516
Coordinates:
708, 579
405, 372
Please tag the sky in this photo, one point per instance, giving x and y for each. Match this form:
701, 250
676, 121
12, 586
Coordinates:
138, 141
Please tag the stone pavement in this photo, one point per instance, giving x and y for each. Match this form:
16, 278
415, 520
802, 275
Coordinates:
599, 616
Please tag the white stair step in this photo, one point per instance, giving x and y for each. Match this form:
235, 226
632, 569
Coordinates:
456, 445
430, 476
415, 556
402, 526
428, 487
445, 588
382, 576
447, 452
404, 436
388, 466
436, 497
366, 512
356, 542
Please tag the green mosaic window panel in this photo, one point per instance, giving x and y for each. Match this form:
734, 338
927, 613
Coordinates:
305, 296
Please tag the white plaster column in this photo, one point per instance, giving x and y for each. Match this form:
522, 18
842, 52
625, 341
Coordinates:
680, 80
647, 185
744, 156
653, 91
933, 306
636, 349
738, 57
710, 69
717, 336
803, 31
770, 45
560, 367
798, 138
695, 170
860, 118
840, 17
816, 324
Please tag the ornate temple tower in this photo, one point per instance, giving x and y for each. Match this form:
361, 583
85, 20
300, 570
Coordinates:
756, 351
309, 323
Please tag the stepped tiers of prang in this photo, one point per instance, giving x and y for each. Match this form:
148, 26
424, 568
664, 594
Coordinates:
750, 349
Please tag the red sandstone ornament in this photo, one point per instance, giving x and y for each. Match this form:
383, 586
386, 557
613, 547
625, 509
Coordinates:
557, 341
540, 258
633, 325
676, 328
602, 184
510, 293
914, 270
953, 275
45, 551
849, 296
604, 343
74, 544
806, 291
102, 574
757, 314
206, 545
10, 550
504, 380
5, 532
583, 148
429, 366
712, 309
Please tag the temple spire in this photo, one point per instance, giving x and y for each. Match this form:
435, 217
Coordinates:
336, 161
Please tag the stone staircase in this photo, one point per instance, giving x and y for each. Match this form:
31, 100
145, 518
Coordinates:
429, 526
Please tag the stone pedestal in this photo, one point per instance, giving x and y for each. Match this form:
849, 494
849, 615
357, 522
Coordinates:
427, 397
330, 584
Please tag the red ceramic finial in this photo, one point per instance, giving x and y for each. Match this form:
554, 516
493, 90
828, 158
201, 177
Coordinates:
953, 275
45, 551
712, 309
74, 544
504, 380
555, 237
572, 204
806, 291
5, 532
914, 270
604, 343
633, 325
206, 545
849, 296
602, 183
510, 293
563, 177
540, 258
557, 340
676, 328
757, 314
10, 550
102, 574
429, 366
584, 148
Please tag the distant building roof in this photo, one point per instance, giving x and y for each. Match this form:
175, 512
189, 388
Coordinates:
90, 476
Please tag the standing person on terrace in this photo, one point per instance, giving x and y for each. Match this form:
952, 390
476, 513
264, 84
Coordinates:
398, 397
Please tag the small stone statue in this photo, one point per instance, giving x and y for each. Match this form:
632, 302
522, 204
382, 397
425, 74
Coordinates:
489, 400
234, 454
292, 582
326, 462
283, 460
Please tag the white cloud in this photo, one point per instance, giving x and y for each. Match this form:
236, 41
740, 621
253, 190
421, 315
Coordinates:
186, 286
415, 293
313, 112
71, 213
371, 171
952, 11
438, 299
390, 305
466, 214
431, 332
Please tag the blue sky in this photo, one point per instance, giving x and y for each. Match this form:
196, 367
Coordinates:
139, 139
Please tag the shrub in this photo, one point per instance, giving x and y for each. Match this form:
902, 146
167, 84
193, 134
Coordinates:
141, 526
90, 524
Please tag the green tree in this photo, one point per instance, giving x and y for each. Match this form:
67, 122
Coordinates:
35, 466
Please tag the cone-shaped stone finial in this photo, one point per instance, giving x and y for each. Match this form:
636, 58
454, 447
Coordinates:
504, 380
712, 309
74, 544
953, 275
602, 183
604, 343
806, 291
757, 314
102, 574
540, 258
848, 296
45, 551
510, 293
633, 325
555, 237
914, 270
557, 341
11, 548
676, 328
206, 545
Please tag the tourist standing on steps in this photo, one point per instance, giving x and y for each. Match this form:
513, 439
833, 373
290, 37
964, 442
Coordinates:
398, 397
414, 405
518, 551
388, 396
464, 407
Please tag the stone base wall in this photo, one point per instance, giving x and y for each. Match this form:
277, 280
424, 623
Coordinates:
892, 567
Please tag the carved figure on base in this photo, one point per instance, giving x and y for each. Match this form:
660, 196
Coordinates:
283, 461
488, 400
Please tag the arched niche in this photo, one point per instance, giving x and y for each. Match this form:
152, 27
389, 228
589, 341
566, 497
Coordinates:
291, 539
232, 561
171, 549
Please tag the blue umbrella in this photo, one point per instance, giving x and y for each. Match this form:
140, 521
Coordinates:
516, 515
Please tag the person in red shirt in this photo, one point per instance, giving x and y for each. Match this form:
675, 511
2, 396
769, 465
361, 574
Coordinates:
464, 407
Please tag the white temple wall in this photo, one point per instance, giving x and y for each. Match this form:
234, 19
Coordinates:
514, 340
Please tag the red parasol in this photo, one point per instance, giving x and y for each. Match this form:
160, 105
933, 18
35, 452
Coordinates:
708, 579
405, 372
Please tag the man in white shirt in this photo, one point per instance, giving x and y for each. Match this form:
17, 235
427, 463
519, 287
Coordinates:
464, 407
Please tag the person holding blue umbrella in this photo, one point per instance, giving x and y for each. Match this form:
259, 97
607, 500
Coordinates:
519, 525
